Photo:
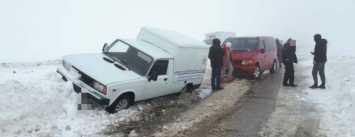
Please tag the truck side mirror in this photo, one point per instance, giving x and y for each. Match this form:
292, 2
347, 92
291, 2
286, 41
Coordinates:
104, 47
262, 51
153, 76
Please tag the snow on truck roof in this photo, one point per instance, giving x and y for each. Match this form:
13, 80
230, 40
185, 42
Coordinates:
175, 38
148, 48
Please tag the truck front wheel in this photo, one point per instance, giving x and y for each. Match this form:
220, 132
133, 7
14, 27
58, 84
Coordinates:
121, 103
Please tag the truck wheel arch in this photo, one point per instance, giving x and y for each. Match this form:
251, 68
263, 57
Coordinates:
189, 87
130, 94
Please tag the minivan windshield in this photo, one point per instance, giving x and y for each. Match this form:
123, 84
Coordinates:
129, 56
243, 44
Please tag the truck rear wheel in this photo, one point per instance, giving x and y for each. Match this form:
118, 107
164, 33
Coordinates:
183, 90
121, 103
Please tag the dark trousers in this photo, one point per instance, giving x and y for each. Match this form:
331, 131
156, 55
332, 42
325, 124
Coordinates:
216, 78
289, 73
280, 60
318, 67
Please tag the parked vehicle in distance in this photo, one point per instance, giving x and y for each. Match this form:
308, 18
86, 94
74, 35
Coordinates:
253, 55
157, 63
221, 35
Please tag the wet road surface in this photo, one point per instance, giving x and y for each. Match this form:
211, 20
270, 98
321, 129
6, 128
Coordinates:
250, 112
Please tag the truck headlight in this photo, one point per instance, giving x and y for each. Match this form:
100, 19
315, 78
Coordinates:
66, 65
100, 87
247, 62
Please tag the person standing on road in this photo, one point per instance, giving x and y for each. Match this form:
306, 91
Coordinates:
320, 57
216, 57
279, 51
288, 58
227, 62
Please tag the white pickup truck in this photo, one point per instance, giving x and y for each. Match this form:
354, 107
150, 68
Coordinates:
157, 63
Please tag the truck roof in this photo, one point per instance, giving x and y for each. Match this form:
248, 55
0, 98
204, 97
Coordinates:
174, 38
148, 48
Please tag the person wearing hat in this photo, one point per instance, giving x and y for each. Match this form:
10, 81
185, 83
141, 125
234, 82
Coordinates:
227, 62
320, 57
216, 57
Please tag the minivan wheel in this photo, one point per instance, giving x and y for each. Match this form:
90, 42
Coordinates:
257, 72
121, 103
274, 67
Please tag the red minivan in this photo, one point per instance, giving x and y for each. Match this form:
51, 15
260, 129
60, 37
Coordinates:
253, 55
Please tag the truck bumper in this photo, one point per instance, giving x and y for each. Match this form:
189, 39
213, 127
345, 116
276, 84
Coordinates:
81, 87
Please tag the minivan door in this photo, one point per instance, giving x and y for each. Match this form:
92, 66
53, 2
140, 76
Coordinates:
157, 88
262, 56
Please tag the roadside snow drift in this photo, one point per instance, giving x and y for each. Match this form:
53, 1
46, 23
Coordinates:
36, 101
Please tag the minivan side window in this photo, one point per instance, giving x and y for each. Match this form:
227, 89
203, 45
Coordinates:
160, 66
270, 44
261, 44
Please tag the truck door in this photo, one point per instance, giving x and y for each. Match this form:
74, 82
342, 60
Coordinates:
157, 88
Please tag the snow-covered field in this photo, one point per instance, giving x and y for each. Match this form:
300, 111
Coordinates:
302, 111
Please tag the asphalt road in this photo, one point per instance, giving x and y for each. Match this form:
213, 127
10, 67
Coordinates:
250, 112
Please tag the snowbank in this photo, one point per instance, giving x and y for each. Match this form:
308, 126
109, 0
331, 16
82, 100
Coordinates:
36, 102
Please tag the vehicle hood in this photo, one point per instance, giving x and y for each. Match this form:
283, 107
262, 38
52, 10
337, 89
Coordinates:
93, 65
242, 55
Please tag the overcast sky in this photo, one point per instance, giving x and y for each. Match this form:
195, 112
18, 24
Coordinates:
36, 30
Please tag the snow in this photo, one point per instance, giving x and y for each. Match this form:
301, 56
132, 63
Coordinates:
35, 101
212, 105
338, 99
317, 112
204, 93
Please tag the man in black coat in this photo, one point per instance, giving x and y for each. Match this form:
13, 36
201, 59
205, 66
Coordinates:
216, 56
320, 57
288, 58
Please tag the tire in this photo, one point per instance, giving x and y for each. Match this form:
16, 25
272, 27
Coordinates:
121, 103
274, 67
257, 73
183, 90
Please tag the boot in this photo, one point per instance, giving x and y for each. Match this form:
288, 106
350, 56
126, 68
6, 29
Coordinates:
314, 86
230, 78
322, 86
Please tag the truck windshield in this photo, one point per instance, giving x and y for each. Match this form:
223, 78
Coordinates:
243, 44
129, 56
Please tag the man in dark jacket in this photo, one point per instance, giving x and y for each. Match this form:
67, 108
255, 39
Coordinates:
320, 57
279, 51
288, 58
216, 56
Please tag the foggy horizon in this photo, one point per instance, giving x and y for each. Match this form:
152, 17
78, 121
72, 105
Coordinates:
37, 30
